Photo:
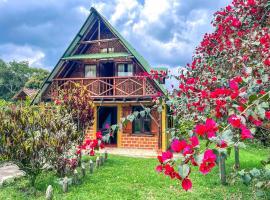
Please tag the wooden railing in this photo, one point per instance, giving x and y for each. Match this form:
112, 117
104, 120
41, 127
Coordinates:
108, 87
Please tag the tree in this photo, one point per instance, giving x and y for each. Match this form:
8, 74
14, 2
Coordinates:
15, 75
225, 90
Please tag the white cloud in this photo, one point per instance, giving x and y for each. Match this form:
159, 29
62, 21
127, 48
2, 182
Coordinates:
9, 52
83, 10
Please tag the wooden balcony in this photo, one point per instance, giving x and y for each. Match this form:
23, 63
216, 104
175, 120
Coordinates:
109, 87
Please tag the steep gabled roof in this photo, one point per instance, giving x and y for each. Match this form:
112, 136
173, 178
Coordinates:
27, 91
70, 50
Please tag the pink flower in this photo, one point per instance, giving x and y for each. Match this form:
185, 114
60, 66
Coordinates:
234, 121
186, 184
211, 125
178, 146
208, 162
233, 85
245, 133
194, 141
166, 156
107, 126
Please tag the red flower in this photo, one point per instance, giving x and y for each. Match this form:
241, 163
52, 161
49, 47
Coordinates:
102, 146
245, 133
222, 144
211, 125
234, 121
233, 85
160, 159
99, 135
194, 141
186, 184
166, 155
208, 162
78, 151
159, 168
94, 144
267, 114
267, 62
178, 146
92, 152
200, 129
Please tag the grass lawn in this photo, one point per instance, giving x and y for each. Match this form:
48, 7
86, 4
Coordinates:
135, 178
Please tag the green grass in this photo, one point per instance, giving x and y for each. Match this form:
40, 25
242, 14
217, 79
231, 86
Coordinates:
135, 178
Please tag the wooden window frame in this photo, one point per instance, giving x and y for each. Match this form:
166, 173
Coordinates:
142, 121
85, 65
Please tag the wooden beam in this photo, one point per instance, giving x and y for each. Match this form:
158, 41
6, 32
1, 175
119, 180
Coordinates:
99, 40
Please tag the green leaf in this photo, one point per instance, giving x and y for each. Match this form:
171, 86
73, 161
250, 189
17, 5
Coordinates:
183, 170
252, 98
142, 113
159, 109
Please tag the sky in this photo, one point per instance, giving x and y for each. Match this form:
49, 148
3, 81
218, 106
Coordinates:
165, 32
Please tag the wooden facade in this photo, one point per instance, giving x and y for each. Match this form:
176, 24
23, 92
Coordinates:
102, 61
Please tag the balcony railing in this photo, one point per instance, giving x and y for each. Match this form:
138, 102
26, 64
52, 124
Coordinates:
109, 87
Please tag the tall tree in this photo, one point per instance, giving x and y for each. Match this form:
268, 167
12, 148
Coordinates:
15, 75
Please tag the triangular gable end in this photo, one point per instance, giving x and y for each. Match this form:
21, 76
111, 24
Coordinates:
94, 14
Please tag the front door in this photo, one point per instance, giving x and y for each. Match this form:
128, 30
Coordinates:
107, 116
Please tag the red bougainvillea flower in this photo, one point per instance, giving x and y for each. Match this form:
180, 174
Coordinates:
160, 159
200, 129
211, 125
92, 152
234, 120
78, 151
194, 141
245, 133
234, 85
186, 184
159, 168
208, 161
102, 146
94, 144
267, 114
99, 135
222, 144
166, 156
169, 170
178, 146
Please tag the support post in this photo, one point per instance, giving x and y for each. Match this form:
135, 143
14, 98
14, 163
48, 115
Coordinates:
49, 193
222, 168
91, 167
65, 185
236, 157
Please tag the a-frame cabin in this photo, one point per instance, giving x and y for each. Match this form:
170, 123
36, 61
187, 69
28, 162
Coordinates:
103, 61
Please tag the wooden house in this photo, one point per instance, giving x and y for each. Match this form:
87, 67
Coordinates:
111, 69
24, 94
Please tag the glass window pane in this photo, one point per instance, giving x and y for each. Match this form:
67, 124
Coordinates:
137, 126
90, 71
147, 125
125, 69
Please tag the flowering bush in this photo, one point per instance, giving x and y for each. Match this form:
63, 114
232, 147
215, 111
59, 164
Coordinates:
89, 145
225, 90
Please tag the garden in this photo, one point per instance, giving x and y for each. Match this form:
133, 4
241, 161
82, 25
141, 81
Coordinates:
220, 132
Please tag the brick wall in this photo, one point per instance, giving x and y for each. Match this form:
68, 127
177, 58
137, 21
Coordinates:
142, 141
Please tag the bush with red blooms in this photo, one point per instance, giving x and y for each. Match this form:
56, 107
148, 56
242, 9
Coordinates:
89, 146
225, 90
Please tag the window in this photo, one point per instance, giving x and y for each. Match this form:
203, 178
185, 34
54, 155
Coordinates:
90, 71
125, 69
107, 50
142, 124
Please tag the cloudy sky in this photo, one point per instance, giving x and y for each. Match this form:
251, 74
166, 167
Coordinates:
165, 32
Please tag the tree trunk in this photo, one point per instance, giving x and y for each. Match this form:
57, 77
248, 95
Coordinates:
236, 157
222, 168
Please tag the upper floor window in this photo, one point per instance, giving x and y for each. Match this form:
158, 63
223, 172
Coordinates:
125, 69
107, 50
90, 71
